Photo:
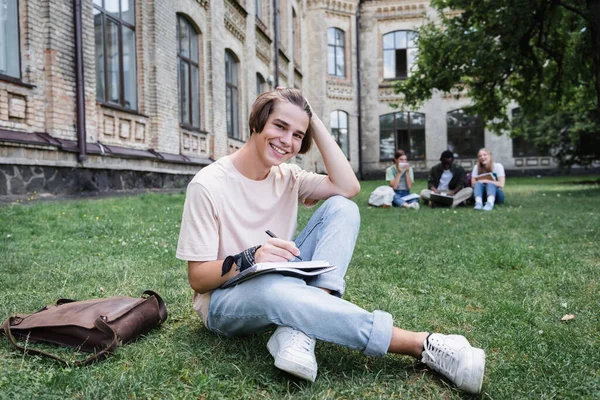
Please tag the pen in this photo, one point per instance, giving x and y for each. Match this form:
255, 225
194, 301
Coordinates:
268, 232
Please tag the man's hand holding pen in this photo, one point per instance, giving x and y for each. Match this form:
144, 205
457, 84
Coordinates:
277, 250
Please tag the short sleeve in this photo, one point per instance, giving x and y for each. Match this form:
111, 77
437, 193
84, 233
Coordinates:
499, 169
199, 234
389, 174
474, 172
307, 183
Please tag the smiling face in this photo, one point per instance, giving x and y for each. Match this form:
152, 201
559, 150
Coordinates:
281, 137
484, 157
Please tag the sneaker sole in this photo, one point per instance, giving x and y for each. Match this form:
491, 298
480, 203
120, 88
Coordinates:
474, 380
289, 366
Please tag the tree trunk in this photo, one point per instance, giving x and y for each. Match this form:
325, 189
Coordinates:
593, 7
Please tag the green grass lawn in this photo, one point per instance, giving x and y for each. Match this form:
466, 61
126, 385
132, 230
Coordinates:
504, 279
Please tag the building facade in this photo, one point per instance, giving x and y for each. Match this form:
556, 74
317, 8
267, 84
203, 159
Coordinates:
120, 94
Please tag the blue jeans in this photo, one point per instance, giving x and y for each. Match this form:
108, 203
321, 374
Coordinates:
398, 202
488, 189
272, 299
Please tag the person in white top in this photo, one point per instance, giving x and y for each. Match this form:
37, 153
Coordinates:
229, 205
488, 179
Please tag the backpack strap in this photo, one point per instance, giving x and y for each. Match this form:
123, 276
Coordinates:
162, 308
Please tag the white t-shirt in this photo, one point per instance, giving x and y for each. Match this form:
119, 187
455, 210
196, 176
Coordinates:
498, 171
445, 180
226, 212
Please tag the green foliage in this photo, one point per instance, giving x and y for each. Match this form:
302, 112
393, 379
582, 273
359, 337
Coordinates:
542, 54
504, 279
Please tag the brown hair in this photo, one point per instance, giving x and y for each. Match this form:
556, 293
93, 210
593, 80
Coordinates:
484, 168
398, 154
265, 103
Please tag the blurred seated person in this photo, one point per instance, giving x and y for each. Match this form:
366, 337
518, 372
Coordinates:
449, 179
487, 180
401, 177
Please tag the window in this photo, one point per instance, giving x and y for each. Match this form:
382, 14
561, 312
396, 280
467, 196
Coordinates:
260, 84
231, 94
465, 134
278, 22
335, 52
402, 130
339, 130
9, 39
521, 146
188, 73
259, 9
296, 42
116, 74
399, 52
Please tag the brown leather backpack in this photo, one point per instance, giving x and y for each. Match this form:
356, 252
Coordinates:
94, 326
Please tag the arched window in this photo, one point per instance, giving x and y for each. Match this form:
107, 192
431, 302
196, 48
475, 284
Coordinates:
188, 71
260, 84
116, 69
402, 130
339, 130
10, 64
399, 52
465, 134
231, 94
336, 56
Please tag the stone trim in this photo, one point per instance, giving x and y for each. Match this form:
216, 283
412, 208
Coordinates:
340, 91
533, 161
235, 19
51, 143
263, 46
284, 62
260, 25
388, 95
345, 7
401, 12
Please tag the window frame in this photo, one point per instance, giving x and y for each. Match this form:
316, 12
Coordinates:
258, 9
229, 86
395, 49
395, 132
120, 23
260, 84
190, 64
478, 125
335, 48
338, 128
12, 78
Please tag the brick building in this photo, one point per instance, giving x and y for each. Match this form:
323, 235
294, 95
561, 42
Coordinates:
117, 94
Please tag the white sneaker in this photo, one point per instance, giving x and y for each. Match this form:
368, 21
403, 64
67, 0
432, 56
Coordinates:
414, 206
294, 352
453, 357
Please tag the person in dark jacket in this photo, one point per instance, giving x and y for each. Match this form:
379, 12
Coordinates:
449, 179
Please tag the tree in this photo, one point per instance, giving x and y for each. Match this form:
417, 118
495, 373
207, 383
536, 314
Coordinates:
542, 54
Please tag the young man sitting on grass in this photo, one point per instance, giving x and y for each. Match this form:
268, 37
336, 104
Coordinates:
447, 178
231, 203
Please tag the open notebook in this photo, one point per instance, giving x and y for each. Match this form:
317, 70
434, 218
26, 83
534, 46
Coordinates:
442, 198
487, 176
300, 269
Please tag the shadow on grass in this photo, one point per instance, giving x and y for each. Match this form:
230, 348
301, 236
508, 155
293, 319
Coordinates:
245, 360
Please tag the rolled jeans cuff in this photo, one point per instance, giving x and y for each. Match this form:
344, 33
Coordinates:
381, 334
